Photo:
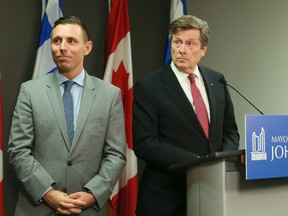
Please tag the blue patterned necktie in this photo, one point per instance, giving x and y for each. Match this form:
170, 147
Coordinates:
69, 109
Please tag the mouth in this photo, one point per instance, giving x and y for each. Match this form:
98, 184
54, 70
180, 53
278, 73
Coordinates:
62, 58
181, 59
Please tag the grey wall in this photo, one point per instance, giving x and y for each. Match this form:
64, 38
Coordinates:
249, 45
20, 27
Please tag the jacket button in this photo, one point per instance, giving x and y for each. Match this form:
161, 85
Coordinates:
70, 163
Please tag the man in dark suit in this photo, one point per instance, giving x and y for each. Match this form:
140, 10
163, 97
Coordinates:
60, 173
167, 125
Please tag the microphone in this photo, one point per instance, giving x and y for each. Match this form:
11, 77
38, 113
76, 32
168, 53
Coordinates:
224, 82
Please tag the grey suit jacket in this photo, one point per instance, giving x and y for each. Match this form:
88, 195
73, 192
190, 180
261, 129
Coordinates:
39, 149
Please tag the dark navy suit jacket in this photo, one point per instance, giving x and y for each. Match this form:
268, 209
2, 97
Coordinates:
166, 131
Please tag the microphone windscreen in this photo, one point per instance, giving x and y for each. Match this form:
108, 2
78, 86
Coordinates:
223, 81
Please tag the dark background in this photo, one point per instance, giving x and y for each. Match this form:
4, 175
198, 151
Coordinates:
20, 22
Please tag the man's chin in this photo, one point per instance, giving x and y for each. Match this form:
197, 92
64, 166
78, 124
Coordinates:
181, 66
63, 67
181, 63
63, 70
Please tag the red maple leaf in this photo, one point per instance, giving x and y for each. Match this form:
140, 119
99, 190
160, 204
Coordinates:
120, 79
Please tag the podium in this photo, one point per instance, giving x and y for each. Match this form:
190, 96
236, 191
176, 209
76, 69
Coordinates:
217, 186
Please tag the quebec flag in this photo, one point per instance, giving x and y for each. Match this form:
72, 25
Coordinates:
178, 8
51, 11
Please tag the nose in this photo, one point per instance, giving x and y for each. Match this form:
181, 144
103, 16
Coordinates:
63, 46
182, 48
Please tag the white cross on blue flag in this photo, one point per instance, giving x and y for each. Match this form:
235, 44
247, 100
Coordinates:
51, 11
178, 8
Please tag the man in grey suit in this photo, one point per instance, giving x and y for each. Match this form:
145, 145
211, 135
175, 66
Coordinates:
167, 125
58, 175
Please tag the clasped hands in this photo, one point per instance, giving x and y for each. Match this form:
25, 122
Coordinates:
69, 204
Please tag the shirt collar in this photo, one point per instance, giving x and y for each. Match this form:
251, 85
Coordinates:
79, 79
181, 75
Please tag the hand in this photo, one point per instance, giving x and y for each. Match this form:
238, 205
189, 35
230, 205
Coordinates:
54, 198
86, 197
76, 201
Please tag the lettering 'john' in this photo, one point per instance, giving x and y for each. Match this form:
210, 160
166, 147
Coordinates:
279, 152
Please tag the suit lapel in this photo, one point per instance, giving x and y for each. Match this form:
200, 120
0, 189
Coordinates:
209, 85
87, 100
54, 95
173, 88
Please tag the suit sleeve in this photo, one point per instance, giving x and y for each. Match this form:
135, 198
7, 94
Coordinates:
149, 145
29, 171
230, 138
114, 153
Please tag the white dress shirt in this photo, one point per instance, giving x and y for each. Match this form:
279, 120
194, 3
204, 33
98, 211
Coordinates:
185, 84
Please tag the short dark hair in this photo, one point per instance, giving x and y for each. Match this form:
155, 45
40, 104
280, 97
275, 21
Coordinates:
73, 20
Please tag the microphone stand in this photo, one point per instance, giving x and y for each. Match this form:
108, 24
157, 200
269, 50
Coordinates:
223, 81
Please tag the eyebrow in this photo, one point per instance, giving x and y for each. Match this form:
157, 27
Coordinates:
69, 38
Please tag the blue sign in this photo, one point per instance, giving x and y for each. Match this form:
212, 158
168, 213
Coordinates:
266, 146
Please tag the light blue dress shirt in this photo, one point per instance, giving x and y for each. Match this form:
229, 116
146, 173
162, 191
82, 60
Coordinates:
76, 91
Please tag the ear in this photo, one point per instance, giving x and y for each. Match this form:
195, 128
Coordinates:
204, 50
88, 47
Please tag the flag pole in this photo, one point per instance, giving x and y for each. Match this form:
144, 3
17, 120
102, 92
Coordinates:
1, 154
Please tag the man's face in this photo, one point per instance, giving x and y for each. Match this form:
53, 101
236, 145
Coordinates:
69, 47
186, 50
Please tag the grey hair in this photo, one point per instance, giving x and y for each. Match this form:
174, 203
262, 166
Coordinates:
189, 22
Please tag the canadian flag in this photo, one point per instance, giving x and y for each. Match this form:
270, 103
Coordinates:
118, 71
1, 156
